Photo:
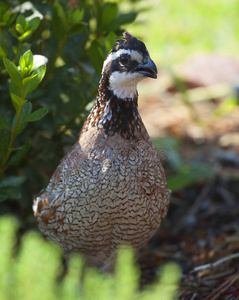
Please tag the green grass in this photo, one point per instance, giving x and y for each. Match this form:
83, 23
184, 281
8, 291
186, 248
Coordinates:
174, 29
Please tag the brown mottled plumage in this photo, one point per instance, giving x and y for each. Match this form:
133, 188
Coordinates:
110, 188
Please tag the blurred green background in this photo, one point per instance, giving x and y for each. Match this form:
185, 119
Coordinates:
173, 30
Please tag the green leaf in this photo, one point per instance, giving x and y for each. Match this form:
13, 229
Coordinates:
34, 23
5, 136
6, 17
77, 28
4, 124
26, 111
77, 16
109, 14
13, 71
28, 79
110, 41
13, 32
3, 8
18, 155
22, 21
37, 115
36, 80
166, 143
26, 61
12, 181
188, 175
17, 102
96, 56
2, 53
226, 106
12, 18
25, 35
22, 63
123, 19
11, 192
59, 21
19, 29
174, 159
14, 89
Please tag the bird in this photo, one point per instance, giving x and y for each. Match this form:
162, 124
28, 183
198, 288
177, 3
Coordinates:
110, 189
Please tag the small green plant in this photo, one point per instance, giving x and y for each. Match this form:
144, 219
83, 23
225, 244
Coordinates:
23, 29
23, 81
32, 273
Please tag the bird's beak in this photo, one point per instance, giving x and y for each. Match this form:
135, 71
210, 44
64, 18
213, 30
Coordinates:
147, 68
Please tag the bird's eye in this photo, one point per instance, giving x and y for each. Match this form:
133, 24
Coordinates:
124, 59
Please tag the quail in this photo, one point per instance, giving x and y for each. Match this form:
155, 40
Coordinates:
110, 188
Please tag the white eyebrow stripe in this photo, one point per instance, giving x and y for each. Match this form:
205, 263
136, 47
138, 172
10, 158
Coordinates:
135, 55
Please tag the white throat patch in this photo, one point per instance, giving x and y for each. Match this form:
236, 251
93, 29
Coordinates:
124, 85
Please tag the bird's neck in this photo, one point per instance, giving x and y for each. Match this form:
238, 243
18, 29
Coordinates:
115, 115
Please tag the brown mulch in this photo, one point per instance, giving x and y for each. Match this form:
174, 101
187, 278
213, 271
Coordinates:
202, 227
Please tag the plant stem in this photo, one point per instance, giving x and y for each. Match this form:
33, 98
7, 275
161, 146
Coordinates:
13, 135
17, 52
4, 44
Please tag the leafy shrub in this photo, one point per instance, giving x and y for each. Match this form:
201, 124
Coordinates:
32, 272
23, 82
75, 37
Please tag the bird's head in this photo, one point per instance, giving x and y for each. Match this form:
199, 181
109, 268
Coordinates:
127, 64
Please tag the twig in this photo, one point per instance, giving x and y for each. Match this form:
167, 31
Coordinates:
216, 263
193, 296
19, 47
222, 288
